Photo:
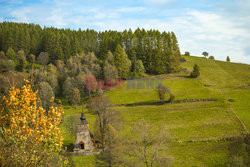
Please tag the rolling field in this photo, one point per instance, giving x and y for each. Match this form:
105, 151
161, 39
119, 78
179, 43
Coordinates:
195, 128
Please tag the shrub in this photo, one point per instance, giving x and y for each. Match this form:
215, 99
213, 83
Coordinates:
171, 98
182, 59
211, 57
239, 151
162, 90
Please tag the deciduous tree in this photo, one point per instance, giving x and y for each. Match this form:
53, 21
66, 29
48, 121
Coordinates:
146, 146
107, 127
45, 93
211, 57
76, 96
205, 54
29, 135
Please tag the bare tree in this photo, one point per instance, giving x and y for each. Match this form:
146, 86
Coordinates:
43, 58
45, 93
107, 117
76, 96
107, 127
146, 146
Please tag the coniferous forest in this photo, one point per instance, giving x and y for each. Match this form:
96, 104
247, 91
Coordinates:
159, 52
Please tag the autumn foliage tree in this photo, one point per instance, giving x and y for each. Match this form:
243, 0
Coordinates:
29, 136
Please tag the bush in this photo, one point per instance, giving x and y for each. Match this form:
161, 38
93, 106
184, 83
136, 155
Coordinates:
211, 57
171, 98
239, 151
162, 90
196, 72
182, 59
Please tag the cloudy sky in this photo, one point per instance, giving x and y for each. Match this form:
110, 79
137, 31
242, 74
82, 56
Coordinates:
220, 27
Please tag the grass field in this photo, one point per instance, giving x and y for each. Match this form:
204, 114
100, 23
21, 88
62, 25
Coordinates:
186, 122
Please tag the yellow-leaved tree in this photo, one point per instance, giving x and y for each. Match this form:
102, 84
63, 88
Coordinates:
29, 135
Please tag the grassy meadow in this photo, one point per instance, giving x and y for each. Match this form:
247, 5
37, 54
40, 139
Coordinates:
195, 128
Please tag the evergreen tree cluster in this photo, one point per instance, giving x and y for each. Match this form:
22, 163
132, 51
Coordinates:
159, 52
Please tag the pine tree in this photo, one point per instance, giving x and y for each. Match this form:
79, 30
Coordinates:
196, 71
228, 59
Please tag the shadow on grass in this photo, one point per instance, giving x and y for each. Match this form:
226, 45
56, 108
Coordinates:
164, 102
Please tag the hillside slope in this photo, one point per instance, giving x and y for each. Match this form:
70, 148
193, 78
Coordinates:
198, 129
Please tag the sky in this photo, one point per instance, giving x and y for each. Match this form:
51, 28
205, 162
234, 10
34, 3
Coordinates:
220, 27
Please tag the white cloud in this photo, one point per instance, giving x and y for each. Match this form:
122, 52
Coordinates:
22, 15
197, 31
221, 36
57, 18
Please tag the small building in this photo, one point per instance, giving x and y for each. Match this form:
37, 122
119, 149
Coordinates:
85, 141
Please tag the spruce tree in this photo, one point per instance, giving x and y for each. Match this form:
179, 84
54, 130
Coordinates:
139, 68
196, 71
122, 62
10, 54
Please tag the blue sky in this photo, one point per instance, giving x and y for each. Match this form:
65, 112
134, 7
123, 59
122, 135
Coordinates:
220, 27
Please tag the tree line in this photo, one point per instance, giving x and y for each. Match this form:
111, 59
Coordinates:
59, 61
158, 51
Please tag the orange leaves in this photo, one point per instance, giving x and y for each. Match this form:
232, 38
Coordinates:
21, 115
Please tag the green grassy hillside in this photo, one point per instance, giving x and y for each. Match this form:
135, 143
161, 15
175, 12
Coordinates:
196, 128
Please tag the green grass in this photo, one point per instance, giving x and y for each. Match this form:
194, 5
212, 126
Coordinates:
232, 80
199, 154
241, 104
193, 121
189, 121
87, 161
